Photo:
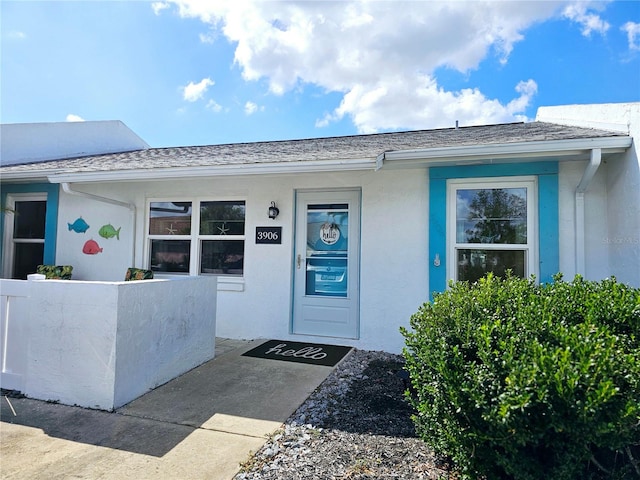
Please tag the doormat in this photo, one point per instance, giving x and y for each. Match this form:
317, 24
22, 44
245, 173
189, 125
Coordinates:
312, 353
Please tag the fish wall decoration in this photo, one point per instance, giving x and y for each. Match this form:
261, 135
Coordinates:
79, 226
109, 231
91, 247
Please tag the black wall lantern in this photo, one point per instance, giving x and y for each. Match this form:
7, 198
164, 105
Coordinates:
273, 210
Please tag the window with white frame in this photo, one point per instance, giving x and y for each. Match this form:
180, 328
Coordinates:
24, 229
491, 227
197, 237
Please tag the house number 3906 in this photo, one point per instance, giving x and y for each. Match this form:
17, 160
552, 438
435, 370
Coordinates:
268, 234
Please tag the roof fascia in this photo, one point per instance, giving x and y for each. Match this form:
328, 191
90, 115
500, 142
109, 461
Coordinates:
25, 177
560, 149
215, 171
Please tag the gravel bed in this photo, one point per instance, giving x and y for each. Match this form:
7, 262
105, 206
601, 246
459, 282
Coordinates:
356, 425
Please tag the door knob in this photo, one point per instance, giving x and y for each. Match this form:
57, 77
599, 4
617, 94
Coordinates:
299, 260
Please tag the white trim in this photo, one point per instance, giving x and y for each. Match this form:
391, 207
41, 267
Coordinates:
326, 310
532, 245
585, 181
24, 177
66, 188
505, 152
171, 173
225, 282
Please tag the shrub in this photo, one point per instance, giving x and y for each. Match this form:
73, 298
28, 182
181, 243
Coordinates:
524, 381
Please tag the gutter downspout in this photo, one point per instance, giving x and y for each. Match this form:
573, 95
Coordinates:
132, 208
587, 176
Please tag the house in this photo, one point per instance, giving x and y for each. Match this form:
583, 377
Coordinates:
339, 240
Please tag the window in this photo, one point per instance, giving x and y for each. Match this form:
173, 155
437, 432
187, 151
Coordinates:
222, 237
491, 228
542, 214
25, 230
197, 237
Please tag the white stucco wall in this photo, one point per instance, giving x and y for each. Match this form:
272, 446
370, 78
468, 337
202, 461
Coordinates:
596, 250
617, 184
36, 142
117, 252
394, 269
102, 344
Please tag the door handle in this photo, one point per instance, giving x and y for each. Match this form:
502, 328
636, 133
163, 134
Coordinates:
299, 260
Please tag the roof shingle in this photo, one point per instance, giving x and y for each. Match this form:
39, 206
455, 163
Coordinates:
315, 149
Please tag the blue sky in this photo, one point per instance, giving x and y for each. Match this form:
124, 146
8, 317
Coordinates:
190, 72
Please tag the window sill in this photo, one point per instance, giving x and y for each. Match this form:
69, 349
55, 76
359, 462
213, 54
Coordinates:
225, 284
230, 284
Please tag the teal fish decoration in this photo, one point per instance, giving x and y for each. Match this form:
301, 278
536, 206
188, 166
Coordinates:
109, 231
79, 226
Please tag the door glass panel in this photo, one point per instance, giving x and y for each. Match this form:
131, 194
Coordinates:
491, 215
26, 257
29, 219
474, 264
327, 246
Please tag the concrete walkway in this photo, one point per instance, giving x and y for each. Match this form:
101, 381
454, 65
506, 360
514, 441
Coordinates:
201, 425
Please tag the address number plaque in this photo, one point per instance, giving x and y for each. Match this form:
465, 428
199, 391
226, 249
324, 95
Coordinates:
272, 235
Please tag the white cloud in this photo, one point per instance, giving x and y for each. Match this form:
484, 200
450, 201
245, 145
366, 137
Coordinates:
16, 35
382, 56
214, 106
589, 21
74, 118
207, 38
195, 91
250, 108
422, 104
633, 34
159, 6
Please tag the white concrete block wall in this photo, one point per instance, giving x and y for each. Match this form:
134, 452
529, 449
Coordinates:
103, 344
72, 349
165, 328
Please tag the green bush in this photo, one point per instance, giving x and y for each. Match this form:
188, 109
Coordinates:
513, 380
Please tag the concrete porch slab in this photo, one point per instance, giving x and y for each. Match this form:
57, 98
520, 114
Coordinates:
200, 425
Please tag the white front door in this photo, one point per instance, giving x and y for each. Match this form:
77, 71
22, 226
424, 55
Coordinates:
327, 264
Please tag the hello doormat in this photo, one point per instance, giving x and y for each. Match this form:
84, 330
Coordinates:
312, 353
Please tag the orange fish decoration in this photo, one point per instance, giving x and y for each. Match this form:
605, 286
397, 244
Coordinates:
91, 247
